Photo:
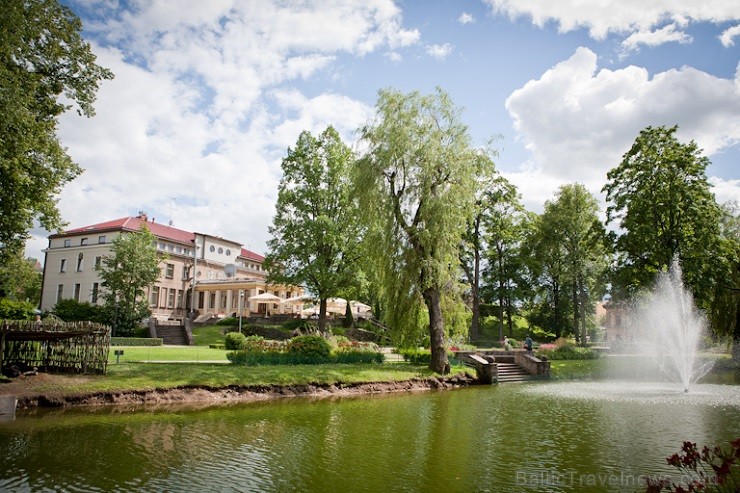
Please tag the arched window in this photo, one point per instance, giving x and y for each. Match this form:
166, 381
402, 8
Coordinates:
80, 258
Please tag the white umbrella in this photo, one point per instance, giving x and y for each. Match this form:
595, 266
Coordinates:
298, 300
265, 298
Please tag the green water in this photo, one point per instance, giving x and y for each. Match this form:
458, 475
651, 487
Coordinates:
534, 437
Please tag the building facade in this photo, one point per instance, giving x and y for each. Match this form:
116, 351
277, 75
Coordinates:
217, 273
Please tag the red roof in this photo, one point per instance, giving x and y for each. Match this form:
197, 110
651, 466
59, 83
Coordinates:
251, 255
134, 224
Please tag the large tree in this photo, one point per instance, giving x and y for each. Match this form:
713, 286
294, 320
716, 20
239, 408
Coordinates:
315, 231
661, 200
417, 184
20, 279
44, 65
131, 267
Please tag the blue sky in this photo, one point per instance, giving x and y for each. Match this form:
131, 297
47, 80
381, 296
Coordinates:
209, 95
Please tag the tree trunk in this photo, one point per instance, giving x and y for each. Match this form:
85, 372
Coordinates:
322, 314
736, 335
439, 362
576, 332
475, 321
556, 309
584, 333
509, 316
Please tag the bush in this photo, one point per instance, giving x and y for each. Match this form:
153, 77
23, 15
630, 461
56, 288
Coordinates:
301, 324
16, 310
71, 310
235, 341
135, 341
228, 321
567, 351
416, 356
310, 346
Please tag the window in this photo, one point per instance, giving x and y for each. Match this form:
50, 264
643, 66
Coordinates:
94, 295
170, 272
201, 299
212, 301
185, 272
63, 265
154, 296
179, 298
97, 262
171, 247
171, 299
162, 245
83, 241
77, 292
101, 239
80, 259
220, 250
60, 292
67, 243
178, 249
212, 249
228, 252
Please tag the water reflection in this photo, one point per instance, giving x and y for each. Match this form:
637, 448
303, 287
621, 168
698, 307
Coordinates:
506, 438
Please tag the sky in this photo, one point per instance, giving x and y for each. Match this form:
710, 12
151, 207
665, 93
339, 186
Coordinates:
209, 95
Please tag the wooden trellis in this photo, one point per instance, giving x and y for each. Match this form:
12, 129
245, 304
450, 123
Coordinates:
74, 347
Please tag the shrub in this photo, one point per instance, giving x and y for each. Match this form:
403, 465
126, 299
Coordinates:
301, 324
568, 352
16, 310
315, 346
228, 321
235, 341
416, 356
71, 310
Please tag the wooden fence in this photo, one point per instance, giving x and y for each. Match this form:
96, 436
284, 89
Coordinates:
74, 347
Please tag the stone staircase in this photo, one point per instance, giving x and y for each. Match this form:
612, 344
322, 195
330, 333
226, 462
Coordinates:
173, 335
511, 372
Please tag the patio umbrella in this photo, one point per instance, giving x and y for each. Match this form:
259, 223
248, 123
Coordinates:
265, 298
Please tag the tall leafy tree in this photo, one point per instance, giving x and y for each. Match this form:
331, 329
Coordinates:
660, 198
474, 245
504, 226
417, 187
20, 279
44, 64
315, 232
131, 267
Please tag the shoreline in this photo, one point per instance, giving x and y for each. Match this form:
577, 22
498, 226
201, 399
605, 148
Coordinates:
238, 393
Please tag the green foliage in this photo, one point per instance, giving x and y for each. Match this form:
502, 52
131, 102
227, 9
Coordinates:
417, 188
136, 341
71, 310
126, 274
302, 324
228, 322
315, 232
44, 63
16, 310
309, 346
568, 352
235, 341
662, 202
19, 278
208, 334
416, 356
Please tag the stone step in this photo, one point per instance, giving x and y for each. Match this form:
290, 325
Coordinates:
172, 335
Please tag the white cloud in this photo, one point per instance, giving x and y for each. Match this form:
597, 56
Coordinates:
727, 38
656, 38
439, 52
578, 120
465, 18
200, 108
725, 190
626, 17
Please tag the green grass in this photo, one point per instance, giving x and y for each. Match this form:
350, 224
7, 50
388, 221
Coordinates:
209, 334
577, 369
151, 376
166, 353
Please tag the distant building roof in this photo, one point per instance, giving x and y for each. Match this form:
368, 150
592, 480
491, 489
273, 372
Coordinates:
134, 224
248, 254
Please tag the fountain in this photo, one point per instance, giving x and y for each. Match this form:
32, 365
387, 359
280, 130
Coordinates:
667, 330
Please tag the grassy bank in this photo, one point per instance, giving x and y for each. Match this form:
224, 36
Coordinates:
138, 354
149, 376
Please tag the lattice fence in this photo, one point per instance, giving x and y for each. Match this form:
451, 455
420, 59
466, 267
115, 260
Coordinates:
74, 347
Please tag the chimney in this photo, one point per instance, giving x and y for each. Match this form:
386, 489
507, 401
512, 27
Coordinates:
142, 216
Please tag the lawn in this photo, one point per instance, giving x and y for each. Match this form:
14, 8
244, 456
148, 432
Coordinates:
196, 354
150, 376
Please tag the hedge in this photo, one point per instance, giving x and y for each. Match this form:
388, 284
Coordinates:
258, 358
135, 341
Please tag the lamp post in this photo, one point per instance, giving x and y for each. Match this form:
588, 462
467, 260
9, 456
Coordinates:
241, 308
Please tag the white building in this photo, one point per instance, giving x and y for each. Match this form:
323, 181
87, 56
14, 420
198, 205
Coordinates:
222, 271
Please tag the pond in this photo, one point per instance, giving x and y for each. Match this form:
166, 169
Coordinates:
531, 437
